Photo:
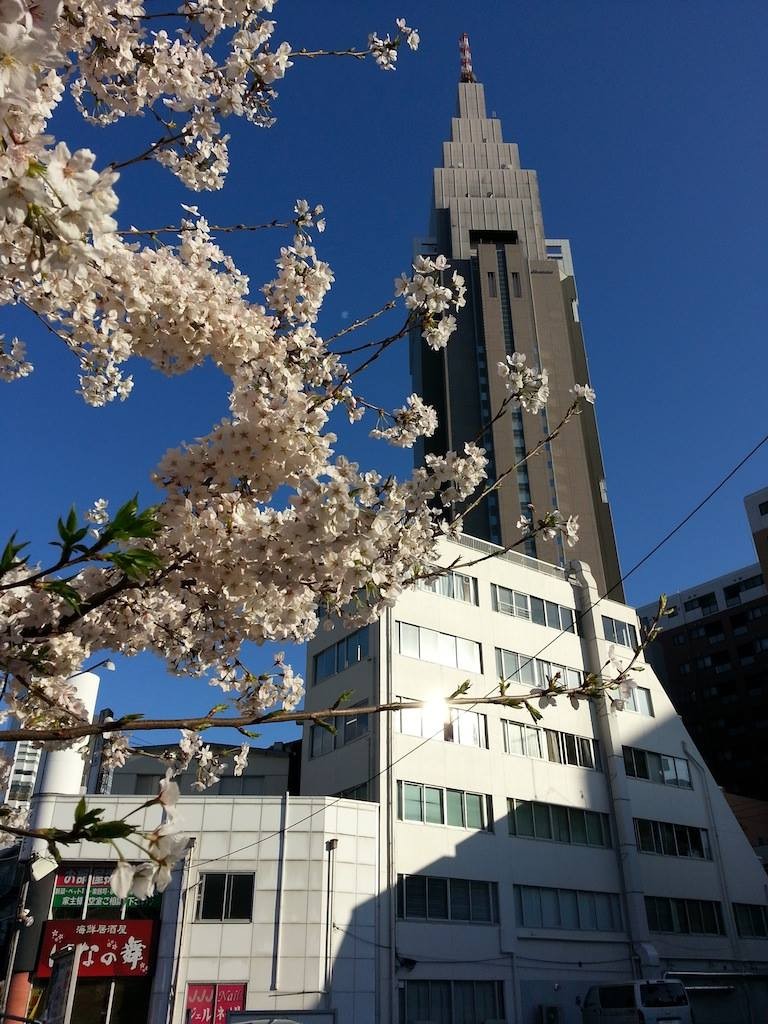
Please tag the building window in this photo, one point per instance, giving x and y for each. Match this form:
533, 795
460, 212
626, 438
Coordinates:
574, 825
678, 639
441, 648
549, 745
751, 920
492, 284
705, 603
523, 606
341, 655
455, 585
684, 917
528, 671
361, 792
575, 910
619, 632
653, 767
762, 508
451, 1002
468, 728
517, 289
639, 700
225, 897
670, 840
324, 740
436, 806
429, 898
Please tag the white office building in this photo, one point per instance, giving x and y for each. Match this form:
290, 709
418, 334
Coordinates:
522, 861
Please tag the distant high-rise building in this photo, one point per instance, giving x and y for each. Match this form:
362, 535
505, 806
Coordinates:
521, 297
713, 657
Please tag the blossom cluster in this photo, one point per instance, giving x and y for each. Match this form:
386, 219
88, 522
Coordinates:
430, 298
529, 388
259, 522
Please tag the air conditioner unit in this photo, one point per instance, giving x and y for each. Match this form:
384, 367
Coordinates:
550, 1015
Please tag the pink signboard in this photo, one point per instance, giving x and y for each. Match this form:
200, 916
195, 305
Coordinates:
209, 1004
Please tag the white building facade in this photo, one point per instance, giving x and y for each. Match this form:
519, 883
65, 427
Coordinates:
521, 861
271, 915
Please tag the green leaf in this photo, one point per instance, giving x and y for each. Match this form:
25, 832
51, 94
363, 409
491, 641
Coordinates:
325, 724
136, 563
106, 830
342, 699
66, 592
128, 523
80, 809
8, 559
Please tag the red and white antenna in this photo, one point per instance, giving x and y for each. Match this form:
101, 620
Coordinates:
467, 74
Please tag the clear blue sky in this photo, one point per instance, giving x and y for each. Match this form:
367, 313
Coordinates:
646, 123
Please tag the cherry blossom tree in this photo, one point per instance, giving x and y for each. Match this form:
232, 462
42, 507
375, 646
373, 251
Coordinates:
218, 561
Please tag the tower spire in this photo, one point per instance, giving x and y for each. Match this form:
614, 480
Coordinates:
467, 74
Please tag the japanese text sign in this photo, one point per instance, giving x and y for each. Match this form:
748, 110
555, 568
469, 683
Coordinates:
110, 948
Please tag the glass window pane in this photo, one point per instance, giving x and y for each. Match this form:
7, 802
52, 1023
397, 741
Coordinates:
683, 842
531, 906
695, 917
553, 615
527, 671
537, 611
510, 664
521, 606
653, 766
429, 645
571, 748
460, 909
240, 897
667, 834
480, 895
645, 835
412, 809
437, 898
669, 775
416, 896
569, 909
586, 760
212, 907
533, 742
587, 911
608, 631
683, 773
523, 817
578, 825
553, 745
474, 803
603, 911
643, 701
513, 738
562, 828
409, 640
447, 649
697, 840
410, 722
594, 828
454, 807
568, 620
468, 655
541, 821
362, 643
550, 908
433, 805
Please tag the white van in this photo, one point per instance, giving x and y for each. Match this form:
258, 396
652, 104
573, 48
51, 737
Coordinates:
637, 1002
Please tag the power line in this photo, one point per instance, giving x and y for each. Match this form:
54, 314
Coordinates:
562, 632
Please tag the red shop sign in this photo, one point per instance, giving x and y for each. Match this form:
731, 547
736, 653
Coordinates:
112, 949
210, 1004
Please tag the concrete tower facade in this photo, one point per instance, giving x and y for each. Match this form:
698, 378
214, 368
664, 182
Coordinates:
521, 297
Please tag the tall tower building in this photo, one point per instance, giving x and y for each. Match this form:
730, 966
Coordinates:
521, 297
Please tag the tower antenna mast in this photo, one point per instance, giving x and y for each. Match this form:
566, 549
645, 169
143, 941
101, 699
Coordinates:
467, 74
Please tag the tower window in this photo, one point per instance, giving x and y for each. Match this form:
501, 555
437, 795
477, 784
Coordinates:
517, 290
492, 285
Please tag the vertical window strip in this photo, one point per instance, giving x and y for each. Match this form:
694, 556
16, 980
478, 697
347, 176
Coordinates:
577, 826
550, 745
